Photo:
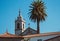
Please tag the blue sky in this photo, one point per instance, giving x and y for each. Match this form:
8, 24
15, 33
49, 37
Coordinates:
9, 12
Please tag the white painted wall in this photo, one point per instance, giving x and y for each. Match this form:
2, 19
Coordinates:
43, 38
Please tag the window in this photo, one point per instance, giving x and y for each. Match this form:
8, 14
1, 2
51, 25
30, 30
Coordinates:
18, 26
23, 25
39, 40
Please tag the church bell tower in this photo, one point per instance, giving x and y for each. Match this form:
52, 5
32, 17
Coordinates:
19, 25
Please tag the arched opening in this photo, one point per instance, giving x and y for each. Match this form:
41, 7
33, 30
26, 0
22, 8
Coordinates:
23, 25
18, 25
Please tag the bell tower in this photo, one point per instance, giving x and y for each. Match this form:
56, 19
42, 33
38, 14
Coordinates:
19, 25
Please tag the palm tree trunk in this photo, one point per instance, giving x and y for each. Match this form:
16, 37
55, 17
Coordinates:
38, 28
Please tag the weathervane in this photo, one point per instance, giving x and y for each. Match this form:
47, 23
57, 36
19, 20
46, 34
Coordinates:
29, 24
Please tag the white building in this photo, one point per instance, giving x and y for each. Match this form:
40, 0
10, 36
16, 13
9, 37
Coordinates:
52, 36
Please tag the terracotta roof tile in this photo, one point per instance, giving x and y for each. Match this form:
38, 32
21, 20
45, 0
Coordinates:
30, 36
42, 34
9, 35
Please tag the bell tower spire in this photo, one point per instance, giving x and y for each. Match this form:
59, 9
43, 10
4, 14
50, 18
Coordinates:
19, 24
19, 12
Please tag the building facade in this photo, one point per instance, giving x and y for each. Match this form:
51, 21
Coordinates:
52, 36
10, 37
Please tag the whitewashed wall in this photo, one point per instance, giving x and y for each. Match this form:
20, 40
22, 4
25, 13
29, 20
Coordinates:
43, 38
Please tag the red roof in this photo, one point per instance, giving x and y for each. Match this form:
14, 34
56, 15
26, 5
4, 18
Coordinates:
42, 35
30, 36
9, 35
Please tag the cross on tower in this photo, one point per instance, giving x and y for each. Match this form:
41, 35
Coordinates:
19, 12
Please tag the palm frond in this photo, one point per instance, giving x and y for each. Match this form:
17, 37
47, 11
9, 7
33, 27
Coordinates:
37, 11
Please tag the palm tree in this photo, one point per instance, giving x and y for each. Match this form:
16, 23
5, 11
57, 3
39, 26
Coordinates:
37, 12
